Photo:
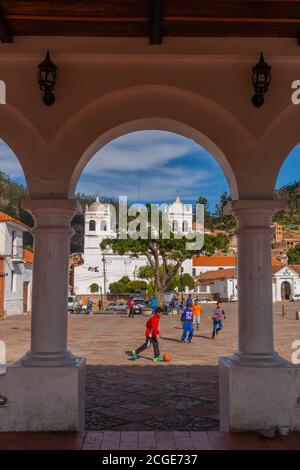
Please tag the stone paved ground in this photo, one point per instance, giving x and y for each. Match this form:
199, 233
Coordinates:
143, 396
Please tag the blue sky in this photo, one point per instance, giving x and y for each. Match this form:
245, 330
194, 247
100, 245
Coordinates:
151, 166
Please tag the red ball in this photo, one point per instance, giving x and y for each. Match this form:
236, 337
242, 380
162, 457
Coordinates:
166, 357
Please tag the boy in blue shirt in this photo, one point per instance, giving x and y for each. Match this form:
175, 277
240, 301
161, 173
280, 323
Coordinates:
187, 320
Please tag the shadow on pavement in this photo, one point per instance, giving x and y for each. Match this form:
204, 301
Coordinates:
152, 397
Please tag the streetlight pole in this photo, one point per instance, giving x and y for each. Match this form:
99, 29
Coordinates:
181, 285
104, 280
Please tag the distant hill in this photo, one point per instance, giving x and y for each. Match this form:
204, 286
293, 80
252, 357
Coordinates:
291, 215
11, 194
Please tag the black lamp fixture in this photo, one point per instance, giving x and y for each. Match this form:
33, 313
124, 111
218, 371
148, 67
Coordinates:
261, 79
46, 77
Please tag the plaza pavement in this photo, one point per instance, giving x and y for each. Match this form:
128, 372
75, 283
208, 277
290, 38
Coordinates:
142, 396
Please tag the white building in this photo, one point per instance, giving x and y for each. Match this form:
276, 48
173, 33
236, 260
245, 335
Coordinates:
286, 282
223, 282
15, 268
202, 264
104, 267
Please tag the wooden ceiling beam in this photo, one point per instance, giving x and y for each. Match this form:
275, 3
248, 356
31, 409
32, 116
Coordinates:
5, 33
156, 21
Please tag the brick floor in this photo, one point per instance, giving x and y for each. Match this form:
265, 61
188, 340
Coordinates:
143, 397
146, 440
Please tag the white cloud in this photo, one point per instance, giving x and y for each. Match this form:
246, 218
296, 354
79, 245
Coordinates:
143, 150
154, 165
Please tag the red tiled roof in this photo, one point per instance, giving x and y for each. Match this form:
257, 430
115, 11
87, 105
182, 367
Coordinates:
223, 261
232, 272
214, 260
7, 218
295, 267
28, 256
217, 274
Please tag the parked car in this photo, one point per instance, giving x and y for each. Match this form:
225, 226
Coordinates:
295, 298
205, 300
71, 303
140, 302
139, 306
233, 298
120, 307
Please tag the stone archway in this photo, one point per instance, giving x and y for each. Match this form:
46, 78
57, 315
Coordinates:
286, 290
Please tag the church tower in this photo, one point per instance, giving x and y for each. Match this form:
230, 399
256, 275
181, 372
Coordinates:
180, 216
99, 224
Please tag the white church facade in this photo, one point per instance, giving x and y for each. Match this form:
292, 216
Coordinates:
102, 267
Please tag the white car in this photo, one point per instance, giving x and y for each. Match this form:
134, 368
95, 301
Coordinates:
71, 303
205, 300
295, 298
233, 298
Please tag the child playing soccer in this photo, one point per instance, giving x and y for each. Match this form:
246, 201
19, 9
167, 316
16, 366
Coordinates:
187, 320
197, 312
152, 333
217, 317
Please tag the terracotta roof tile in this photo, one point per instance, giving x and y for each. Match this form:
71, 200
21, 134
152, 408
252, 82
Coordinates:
232, 272
7, 218
223, 261
28, 256
214, 261
217, 274
295, 267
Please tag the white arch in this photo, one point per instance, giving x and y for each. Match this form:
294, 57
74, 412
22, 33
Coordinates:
162, 108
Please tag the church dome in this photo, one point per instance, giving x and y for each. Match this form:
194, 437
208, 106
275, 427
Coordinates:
177, 206
96, 206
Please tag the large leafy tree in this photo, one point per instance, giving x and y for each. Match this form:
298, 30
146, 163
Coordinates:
294, 254
165, 256
125, 285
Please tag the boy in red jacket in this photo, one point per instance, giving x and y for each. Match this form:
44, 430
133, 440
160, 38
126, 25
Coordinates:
152, 333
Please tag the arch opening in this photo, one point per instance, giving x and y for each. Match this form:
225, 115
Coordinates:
158, 124
15, 238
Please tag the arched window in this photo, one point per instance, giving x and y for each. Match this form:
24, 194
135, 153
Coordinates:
103, 226
185, 226
175, 226
92, 226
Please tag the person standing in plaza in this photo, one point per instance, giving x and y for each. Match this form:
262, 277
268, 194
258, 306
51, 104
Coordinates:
152, 334
89, 306
187, 321
189, 301
217, 317
130, 306
197, 312
153, 303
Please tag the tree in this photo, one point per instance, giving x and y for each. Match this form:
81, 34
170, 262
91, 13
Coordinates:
136, 286
165, 256
117, 287
226, 222
94, 288
294, 254
208, 219
125, 285
147, 273
186, 280
180, 282
291, 194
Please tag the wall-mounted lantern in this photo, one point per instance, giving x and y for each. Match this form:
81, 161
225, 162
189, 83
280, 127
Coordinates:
46, 77
261, 79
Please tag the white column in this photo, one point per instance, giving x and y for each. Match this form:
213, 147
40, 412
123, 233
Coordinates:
255, 340
52, 232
